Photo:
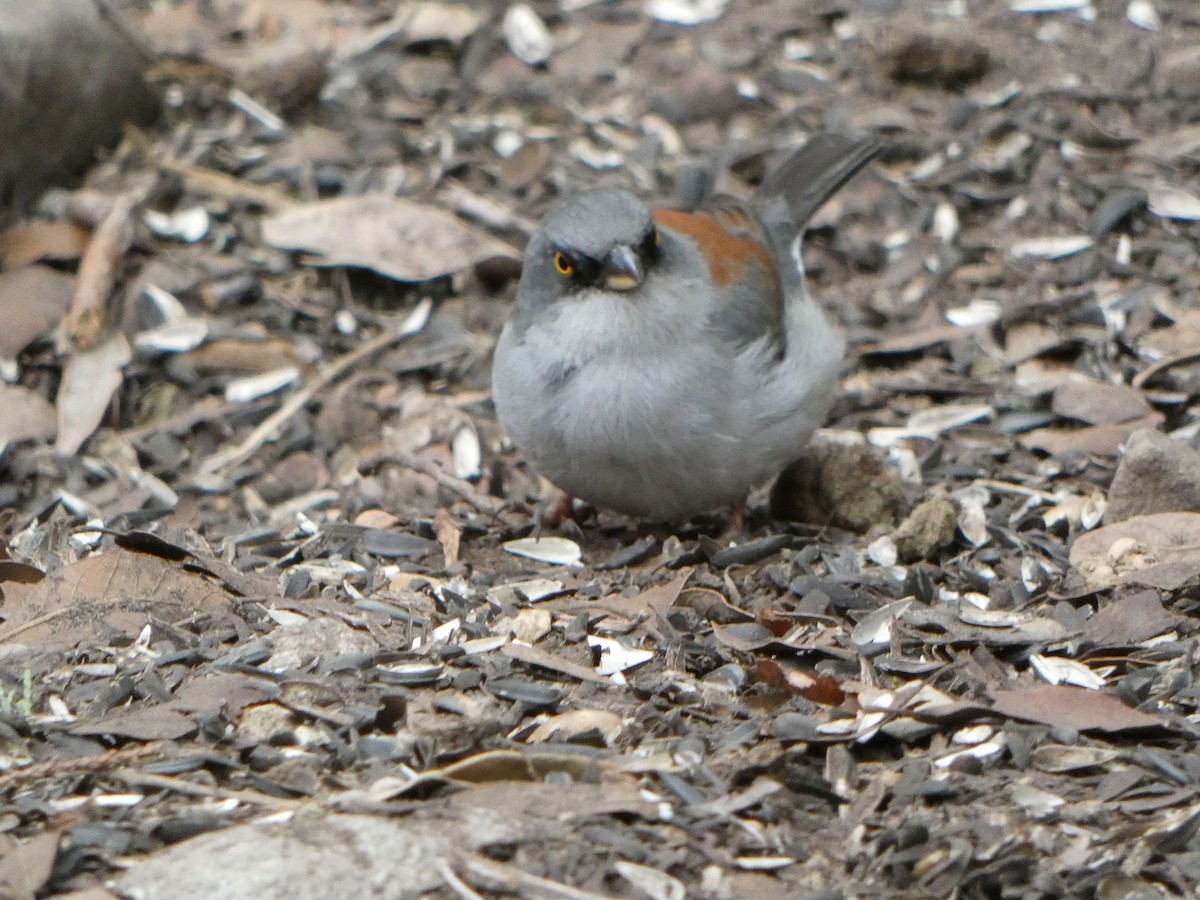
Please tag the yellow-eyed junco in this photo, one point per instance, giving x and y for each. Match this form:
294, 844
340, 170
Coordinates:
661, 363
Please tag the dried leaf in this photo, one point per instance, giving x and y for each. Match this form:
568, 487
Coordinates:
24, 415
1111, 554
119, 588
1129, 620
33, 300
90, 379
395, 237
1071, 707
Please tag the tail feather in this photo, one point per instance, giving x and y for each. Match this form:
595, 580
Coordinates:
813, 173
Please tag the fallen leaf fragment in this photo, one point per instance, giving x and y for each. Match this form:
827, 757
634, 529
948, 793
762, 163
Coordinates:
1129, 620
26, 867
398, 238
33, 300
30, 242
571, 725
1072, 707
90, 379
1110, 555
24, 415
155, 723
119, 588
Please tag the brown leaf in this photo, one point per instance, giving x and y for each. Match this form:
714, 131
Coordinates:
1112, 554
32, 301
1097, 440
26, 867
238, 357
1071, 707
1129, 620
24, 415
90, 379
1100, 402
30, 242
155, 723
817, 688
648, 606
395, 237
228, 692
120, 588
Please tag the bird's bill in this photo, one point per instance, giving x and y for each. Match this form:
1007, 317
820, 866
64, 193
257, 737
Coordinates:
622, 269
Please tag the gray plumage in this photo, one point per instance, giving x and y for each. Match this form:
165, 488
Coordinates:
675, 391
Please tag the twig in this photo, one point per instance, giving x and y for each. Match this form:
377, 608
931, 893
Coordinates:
467, 203
455, 883
196, 789
522, 883
459, 488
225, 187
98, 268
1140, 379
79, 765
274, 422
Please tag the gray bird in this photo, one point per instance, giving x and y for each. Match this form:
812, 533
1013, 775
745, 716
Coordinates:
661, 363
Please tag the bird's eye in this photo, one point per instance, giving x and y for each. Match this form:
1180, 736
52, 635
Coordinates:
651, 243
563, 265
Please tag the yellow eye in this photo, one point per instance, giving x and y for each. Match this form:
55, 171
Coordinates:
563, 265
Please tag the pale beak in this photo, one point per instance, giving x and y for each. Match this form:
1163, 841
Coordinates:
622, 269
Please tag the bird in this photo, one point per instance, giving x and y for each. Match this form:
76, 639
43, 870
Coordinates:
662, 362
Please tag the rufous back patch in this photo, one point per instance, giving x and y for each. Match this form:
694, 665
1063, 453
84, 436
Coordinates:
726, 253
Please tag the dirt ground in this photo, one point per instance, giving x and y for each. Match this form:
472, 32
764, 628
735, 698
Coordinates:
274, 622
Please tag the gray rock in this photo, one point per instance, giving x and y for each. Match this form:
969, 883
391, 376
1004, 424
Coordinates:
1156, 474
314, 856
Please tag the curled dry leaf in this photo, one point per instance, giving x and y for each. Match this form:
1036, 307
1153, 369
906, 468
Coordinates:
571, 725
449, 535
90, 379
395, 237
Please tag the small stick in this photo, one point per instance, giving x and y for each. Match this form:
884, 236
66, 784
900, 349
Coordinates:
522, 883
78, 765
98, 268
212, 183
459, 488
274, 422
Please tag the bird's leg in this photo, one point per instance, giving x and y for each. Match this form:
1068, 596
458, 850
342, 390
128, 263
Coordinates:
564, 509
736, 525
